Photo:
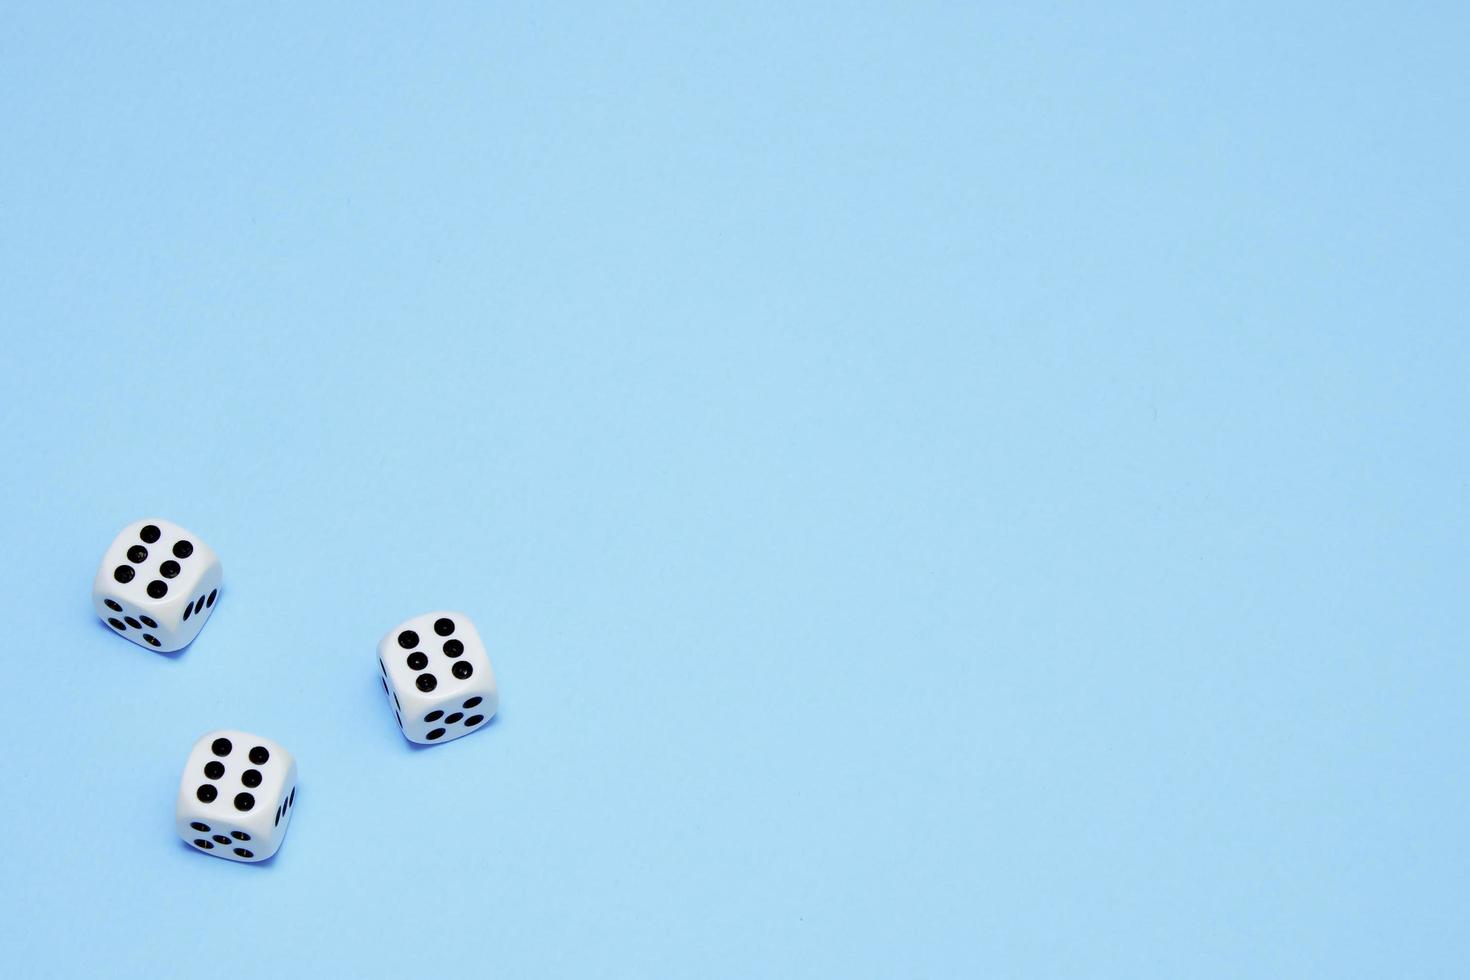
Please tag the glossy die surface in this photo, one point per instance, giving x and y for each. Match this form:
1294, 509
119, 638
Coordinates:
236, 795
437, 677
157, 585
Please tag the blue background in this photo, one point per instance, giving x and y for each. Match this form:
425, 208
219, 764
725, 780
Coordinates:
947, 492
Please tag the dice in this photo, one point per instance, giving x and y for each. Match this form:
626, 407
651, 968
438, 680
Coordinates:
157, 585
236, 796
437, 677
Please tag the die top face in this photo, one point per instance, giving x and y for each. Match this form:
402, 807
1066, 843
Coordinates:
438, 676
155, 563
438, 654
236, 795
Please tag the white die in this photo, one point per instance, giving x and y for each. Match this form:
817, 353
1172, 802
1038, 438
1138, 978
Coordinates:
437, 677
236, 795
157, 584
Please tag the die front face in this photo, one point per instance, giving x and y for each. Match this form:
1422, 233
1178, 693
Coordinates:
437, 677
157, 585
236, 796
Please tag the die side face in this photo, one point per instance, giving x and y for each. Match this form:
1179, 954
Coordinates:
437, 677
157, 585
236, 795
